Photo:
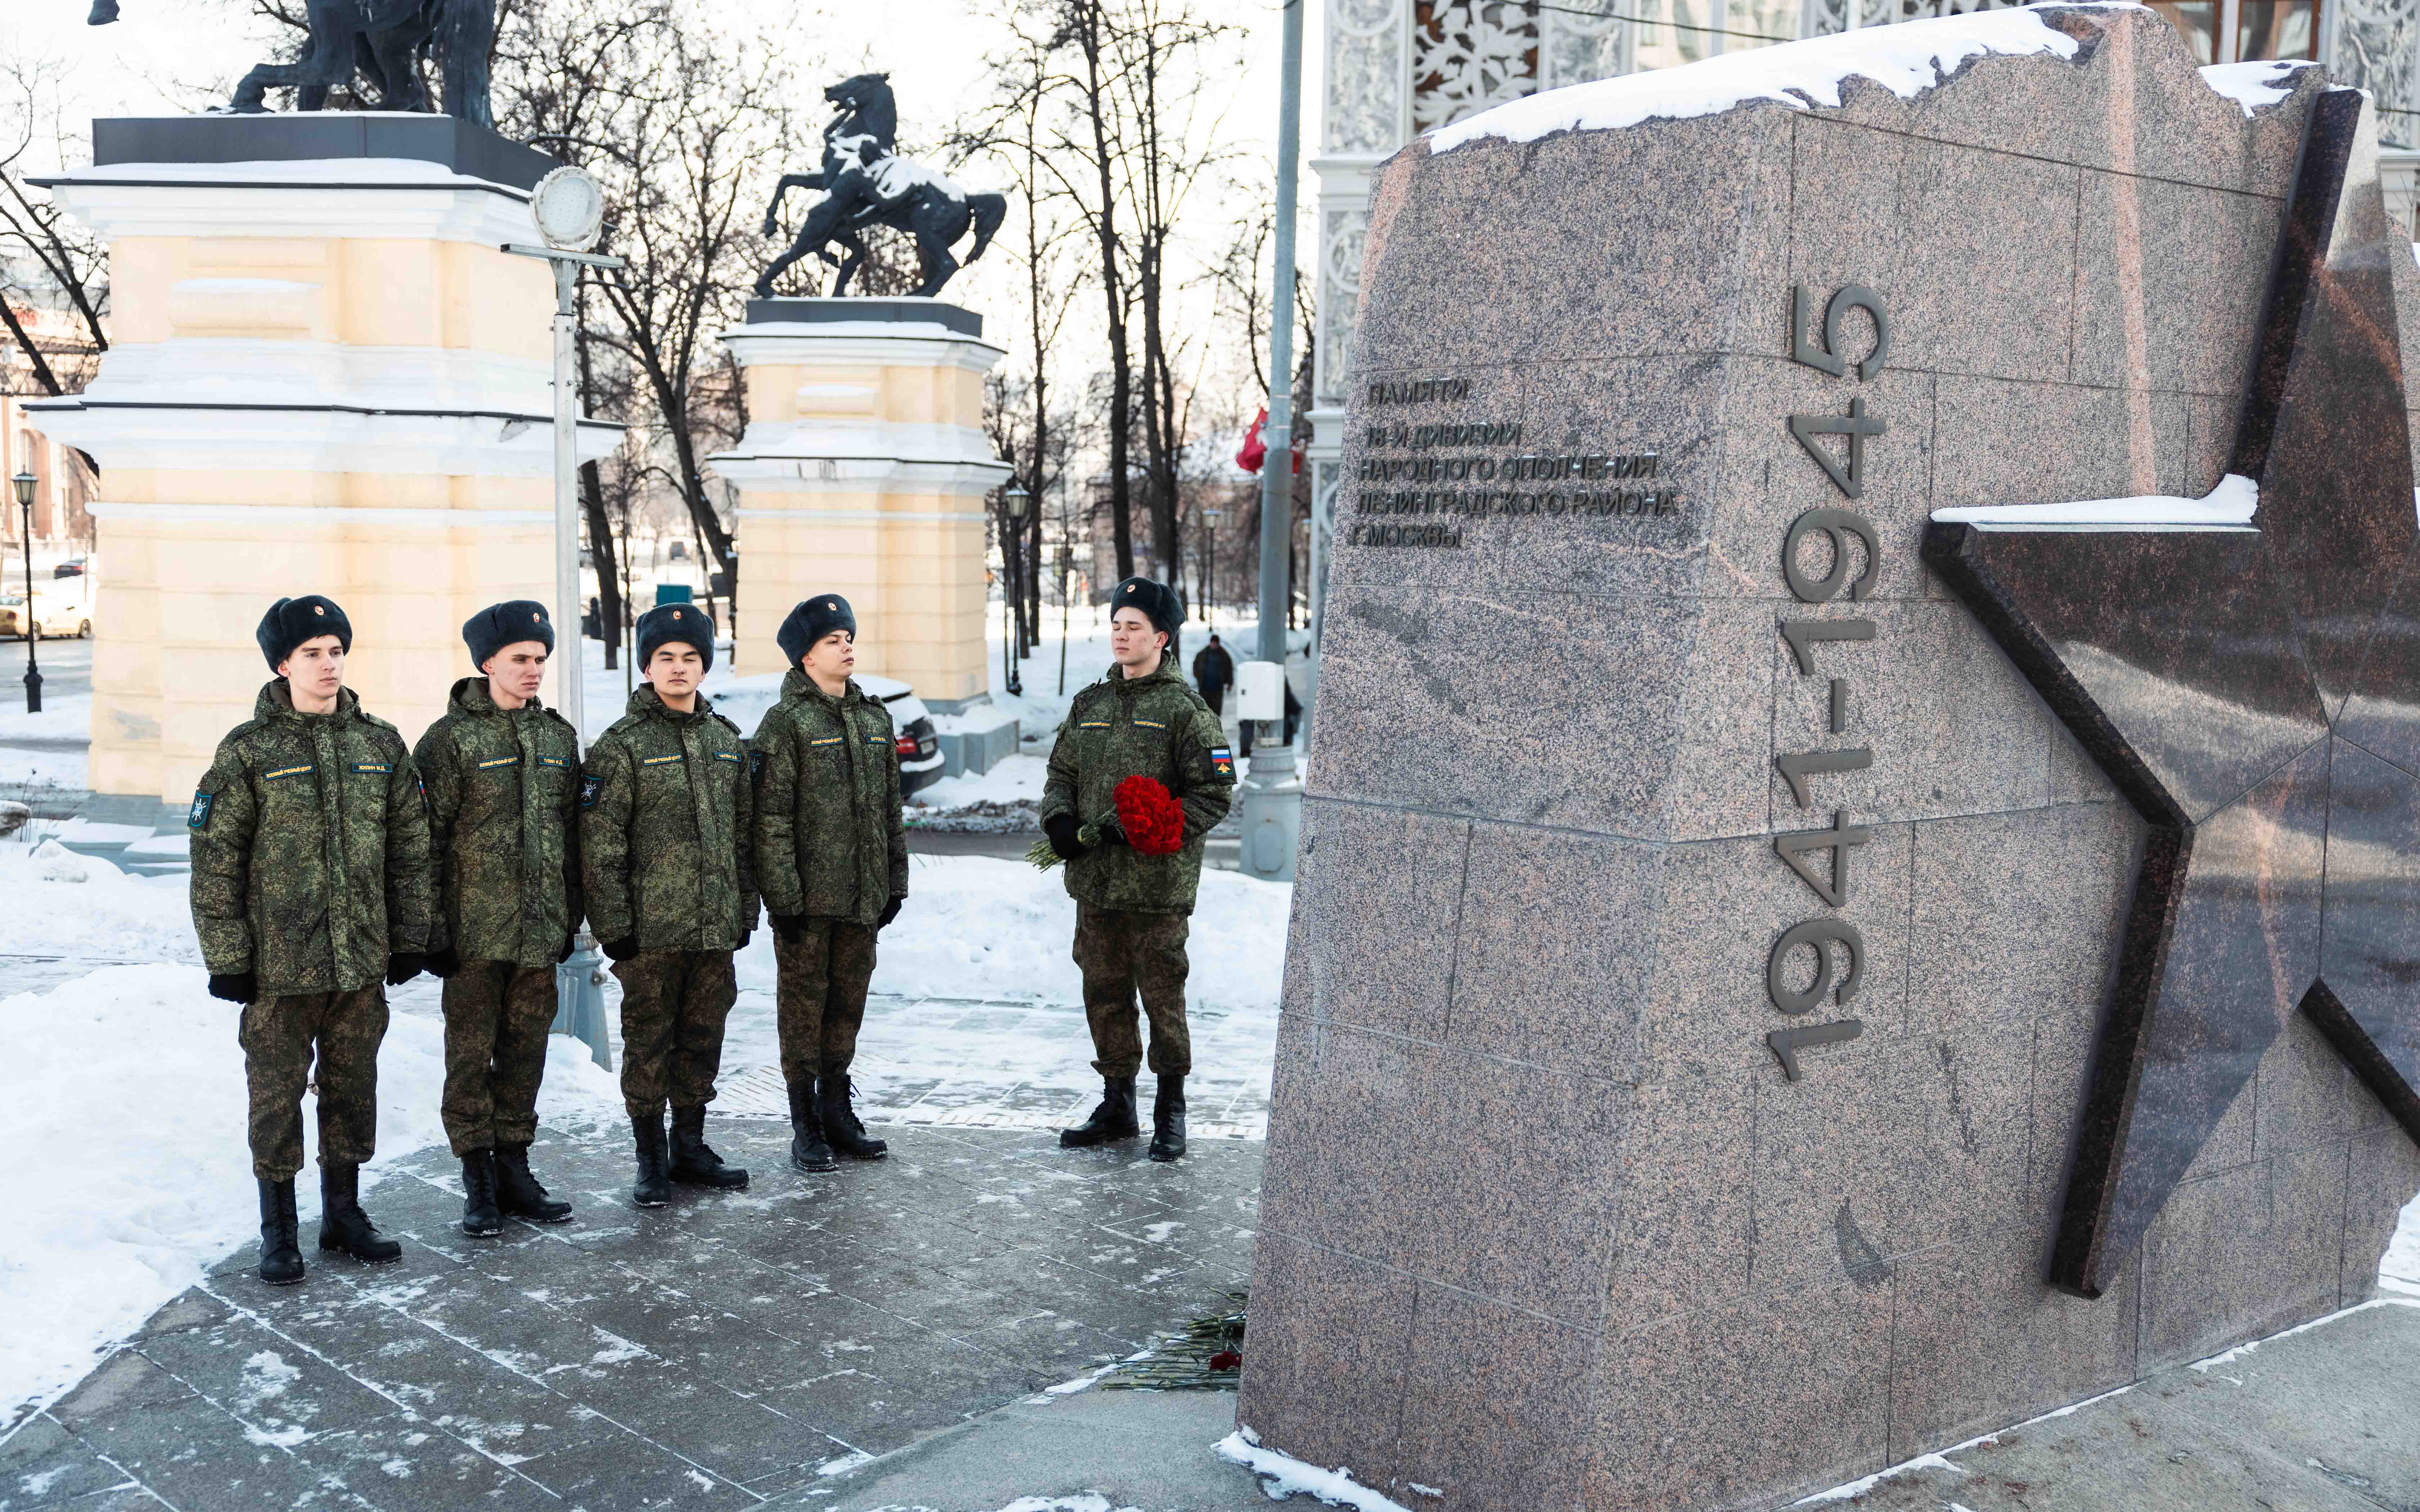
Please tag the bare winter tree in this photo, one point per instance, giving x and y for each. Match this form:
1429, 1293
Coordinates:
47, 260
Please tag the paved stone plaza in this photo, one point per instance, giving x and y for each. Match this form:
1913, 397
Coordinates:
727, 1351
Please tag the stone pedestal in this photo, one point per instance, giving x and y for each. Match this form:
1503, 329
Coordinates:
325, 376
863, 473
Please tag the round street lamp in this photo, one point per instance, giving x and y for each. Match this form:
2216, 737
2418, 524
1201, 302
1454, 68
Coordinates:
569, 207
1015, 495
24, 484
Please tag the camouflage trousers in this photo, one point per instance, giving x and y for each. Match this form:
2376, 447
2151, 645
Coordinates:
1122, 953
280, 1036
821, 997
497, 1015
674, 1005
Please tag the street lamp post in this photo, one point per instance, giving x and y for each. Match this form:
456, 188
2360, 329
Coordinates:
569, 208
24, 483
1010, 583
1210, 573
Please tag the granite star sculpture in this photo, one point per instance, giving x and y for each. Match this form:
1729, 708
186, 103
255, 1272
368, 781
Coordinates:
2245, 666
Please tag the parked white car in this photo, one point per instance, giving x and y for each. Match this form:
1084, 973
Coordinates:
61, 611
920, 746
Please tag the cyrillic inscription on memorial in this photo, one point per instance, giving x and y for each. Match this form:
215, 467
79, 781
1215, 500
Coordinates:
1462, 472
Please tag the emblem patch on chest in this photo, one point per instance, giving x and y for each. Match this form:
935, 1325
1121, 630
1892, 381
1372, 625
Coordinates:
731, 756
285, 772
553, 761
373, 766
657, 760
499, 760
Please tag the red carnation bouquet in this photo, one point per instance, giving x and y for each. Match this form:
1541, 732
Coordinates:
1148, 816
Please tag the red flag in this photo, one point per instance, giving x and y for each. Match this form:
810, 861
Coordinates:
1254, 450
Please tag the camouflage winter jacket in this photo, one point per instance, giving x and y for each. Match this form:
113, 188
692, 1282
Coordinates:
665, 819
829, 843
504, 816
310, 847
1154, 727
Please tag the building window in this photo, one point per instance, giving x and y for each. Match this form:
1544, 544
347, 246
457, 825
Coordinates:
2245, 31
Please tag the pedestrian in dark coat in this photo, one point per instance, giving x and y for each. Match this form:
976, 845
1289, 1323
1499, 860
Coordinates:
501, 772
670, 890
311, 896
832, 856
1214, 672
1133, 911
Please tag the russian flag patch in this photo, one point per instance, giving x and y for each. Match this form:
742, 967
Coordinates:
1222, 760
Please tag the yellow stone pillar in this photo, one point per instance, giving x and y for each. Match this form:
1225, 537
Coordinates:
325, 376
863, 472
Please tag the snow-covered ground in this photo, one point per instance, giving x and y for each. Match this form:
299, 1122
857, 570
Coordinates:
1018, 779
134, 1069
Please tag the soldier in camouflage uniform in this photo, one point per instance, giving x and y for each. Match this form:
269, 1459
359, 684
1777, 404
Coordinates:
503, 777
832, 856
310, 896
1134, 911
664, 822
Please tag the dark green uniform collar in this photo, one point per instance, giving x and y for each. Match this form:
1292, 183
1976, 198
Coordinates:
1167, 673
644, 700
472, 695
798, 686
276, 701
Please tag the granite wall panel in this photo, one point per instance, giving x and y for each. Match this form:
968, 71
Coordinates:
1984, 1342
2242, 1254
2161, 277
1496, 1407
1675, 1430
1379, 954
1337, 1333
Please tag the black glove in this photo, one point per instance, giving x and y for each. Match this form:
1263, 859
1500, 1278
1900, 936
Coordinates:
786, 926
888, 912
403, 965
620, 949
235, 987
1060, 829
1111, 834
442, 963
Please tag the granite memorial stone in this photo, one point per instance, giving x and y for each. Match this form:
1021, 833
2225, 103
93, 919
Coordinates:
1864, 878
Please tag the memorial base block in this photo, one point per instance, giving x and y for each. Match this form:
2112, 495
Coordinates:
1705, 935
863, 472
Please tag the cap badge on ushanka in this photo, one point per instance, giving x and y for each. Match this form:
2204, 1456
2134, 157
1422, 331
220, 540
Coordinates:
317, 610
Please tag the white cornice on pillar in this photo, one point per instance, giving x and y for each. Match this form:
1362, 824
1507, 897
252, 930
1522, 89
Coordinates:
313, 439
859, 342
394, 198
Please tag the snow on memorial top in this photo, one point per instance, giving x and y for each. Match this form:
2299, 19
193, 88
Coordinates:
1907, 59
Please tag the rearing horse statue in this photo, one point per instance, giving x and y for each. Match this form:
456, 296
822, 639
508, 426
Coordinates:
866, 183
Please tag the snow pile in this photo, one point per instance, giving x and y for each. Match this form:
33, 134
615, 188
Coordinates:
2255, 85
2398, 1270
979, 928
1907, 59
64, 905
1282, 1476
123, 1098
2229, 506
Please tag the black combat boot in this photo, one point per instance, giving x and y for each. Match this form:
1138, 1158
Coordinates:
807, 1152
1113, 1119
847, 1135
654, 1187
694, 1161
481, 1217
1168, 1119
342, 1225
517, 1192
281, 1253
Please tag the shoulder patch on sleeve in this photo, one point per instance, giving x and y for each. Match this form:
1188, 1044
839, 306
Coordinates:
590, 785
755, 765
198, 817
